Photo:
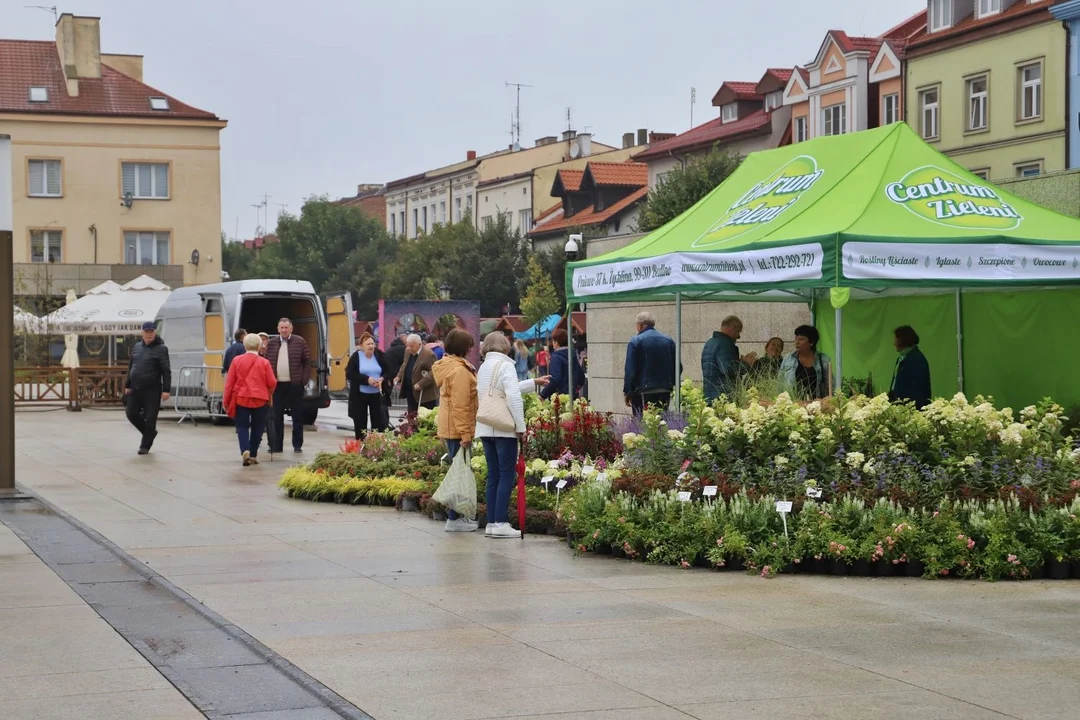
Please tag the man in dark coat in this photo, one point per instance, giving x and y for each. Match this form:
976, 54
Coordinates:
394, 357
649, 371
149, 381
290, 357
414, 376
235, 350
721, 364
911, 377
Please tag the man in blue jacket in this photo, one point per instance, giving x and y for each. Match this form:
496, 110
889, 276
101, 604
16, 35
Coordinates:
649, 375
721, 365
911, 376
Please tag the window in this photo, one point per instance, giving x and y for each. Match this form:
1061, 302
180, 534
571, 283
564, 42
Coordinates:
424, 209
415, 222
661, 178
442, 212
393, 223
525, 220
145, 180
835, 119
774, 100
159, 103
457, 209
1031, 91
468, 203
801, 134
486, 221
729, 112
39, 94
982, 174
890, 108
989, 7
928, 104
1029, 169
402, 222
44, 178
978, 97
940, 15
46, 246
433, 215
146, 248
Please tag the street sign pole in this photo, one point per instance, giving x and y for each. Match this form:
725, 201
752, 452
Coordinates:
7, 324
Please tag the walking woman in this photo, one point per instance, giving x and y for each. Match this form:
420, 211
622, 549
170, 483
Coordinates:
497, 372
367, 373
249, 385
456, 379
807, 371
521, 359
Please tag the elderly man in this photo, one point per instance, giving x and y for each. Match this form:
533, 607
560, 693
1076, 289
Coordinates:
649, 374
418, 384
290, 357
721, 365
149, 380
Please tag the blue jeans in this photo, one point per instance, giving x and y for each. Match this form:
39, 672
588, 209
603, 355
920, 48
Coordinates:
501, 454
250, 423
452, 447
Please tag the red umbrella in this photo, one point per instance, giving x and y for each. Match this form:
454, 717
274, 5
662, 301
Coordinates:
521, 490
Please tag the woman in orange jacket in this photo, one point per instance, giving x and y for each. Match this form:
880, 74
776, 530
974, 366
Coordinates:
458, 403
249, 385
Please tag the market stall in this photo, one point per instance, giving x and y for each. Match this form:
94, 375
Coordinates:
875, 229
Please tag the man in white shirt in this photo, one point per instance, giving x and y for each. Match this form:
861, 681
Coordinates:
290, 357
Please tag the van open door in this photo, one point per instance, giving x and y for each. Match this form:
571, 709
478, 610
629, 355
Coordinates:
214, 341
340, 338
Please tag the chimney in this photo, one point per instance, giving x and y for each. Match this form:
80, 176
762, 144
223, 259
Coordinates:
569, 135
470, 155
655, 137
628, 140
78, 43
642, 136
367, 188
130, 65
546, 140
585, 143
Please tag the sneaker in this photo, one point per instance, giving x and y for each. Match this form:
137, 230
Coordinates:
504, 530
298, 451
254, 460
461, 525
488, 528
246, 457
144, 451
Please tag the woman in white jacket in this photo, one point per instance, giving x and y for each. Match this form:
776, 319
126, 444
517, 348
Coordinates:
501, 447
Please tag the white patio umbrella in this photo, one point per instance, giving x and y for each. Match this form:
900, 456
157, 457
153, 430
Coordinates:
71, 341
26, 322
109, 313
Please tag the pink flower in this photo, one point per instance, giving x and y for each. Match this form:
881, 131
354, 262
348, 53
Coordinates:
895, 562
936, 513
622, 519
683, 564
720, 542
971, 544
596, 535
944, 571
765, 571
582, 548
797, 560
960, 536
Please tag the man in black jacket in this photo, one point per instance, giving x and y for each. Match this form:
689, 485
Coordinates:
149, 380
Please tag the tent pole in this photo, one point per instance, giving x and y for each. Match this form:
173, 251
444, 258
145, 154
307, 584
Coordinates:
570, 352
839, 384
959, 345
678, 350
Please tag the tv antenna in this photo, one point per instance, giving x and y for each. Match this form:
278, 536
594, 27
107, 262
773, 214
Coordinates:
46, 8
693, 101
569, 124
516, 125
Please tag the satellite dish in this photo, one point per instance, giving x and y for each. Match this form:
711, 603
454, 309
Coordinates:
575, 150
195, 257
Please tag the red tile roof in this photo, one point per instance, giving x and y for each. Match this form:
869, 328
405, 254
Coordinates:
708, 134
855, 44
625, 174
908, 28
557, 208
261, 241
26, 63
970, 23
589, 217
570, 179
805, 75
513, 323
732, 91
773, 79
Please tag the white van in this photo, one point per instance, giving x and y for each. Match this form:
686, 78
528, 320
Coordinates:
197, 324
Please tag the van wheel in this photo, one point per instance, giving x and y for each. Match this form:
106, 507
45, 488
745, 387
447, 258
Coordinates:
310, 414
218, 420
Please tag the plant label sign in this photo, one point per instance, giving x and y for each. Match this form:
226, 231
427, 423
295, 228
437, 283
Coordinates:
601, 477
684, 496
709, 491
813, 492
546, 479
443, 458
561, 484
587, 469
783, 506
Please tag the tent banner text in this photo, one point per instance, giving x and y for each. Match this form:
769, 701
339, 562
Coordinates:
936, 261
775, 265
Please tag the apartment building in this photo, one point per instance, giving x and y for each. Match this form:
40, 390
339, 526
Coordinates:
112, 178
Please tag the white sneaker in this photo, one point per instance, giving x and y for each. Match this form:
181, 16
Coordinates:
488, 528
504, 530
460, 525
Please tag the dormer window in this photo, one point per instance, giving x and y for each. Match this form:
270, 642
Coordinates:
159, 103
989, 7
729, 112
39, 94
774, 100
941, 15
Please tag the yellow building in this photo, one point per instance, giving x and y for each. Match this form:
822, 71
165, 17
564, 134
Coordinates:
111, 177
986, 85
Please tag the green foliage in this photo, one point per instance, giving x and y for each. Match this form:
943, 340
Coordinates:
541, 299
301, 482
237, 260
685, 186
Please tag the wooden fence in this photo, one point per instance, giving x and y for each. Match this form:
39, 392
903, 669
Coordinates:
71, 388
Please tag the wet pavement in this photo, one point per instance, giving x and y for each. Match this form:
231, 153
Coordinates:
405, 621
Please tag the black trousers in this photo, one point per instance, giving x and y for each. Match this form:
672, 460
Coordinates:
659, 400
288, 396
369, 405
141, 408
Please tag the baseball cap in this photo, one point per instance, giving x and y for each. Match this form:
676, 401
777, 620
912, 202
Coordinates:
148, 326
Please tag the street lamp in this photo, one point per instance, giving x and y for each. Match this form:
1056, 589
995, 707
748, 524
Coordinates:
573, 242
444, 291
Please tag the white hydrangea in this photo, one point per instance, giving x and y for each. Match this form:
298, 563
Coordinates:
855, 459
780, 461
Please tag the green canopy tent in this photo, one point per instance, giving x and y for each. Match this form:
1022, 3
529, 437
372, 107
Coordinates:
908, 236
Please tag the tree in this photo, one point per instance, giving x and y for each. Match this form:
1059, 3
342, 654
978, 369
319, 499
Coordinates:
540, 299
553, 261
684, 186
336, 247
236, 259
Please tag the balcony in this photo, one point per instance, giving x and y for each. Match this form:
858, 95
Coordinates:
39, 279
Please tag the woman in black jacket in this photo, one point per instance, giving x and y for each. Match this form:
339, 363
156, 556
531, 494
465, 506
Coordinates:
911, 377
369, 383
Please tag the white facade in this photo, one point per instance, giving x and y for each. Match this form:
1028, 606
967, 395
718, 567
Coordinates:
444, 196
511, 198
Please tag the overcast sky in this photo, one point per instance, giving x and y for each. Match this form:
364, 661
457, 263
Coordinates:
321, 95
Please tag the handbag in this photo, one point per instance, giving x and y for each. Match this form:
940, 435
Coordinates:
457, 491
493, 410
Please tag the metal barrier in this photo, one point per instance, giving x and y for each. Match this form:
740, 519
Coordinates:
193, 397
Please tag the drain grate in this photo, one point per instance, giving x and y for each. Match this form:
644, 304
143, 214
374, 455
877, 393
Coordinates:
222, 670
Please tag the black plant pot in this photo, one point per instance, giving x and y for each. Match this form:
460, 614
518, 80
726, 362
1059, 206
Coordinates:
789, 569
571, 540
702, 561
438, 515
550, 530
838, 567
820, 566
736, 563
1076, 569
1057, 569
884, 568
409, 504
603, 548
617, 552
1037, 573
915, 568
861, 568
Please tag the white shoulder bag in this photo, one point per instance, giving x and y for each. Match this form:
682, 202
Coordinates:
493, 409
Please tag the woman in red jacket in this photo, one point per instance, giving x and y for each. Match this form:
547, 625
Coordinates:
249, 385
